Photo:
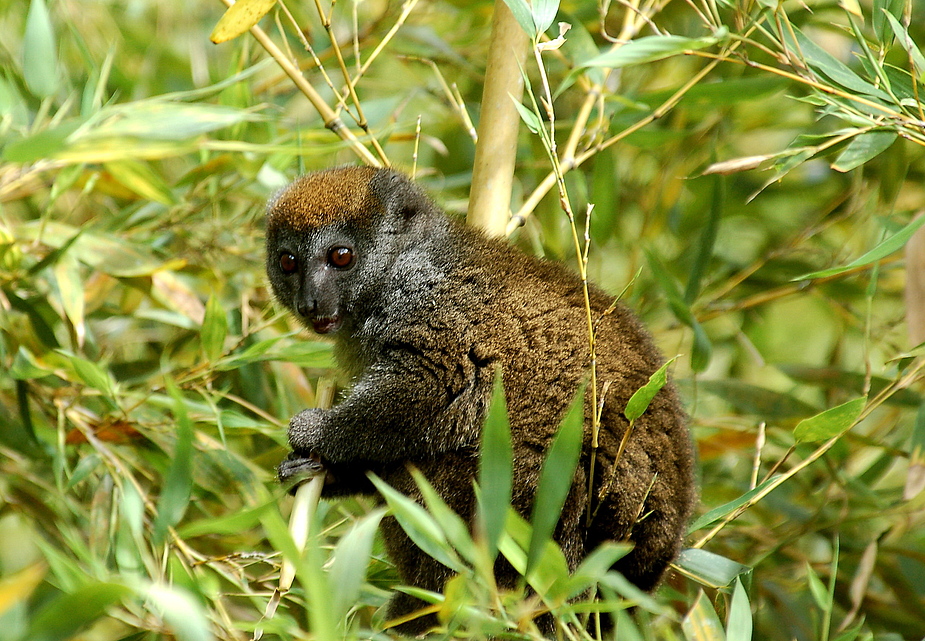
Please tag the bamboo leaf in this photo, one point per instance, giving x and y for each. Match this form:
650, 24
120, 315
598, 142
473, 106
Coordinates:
180, 610
863, 148
418, 525
821, 60
906, 42
64, 616
650, 49
711, 569
724, 510
178, 482
451, 524
71, 292
707, 239
523, 14
349, 563
240, 17
214, 328
829, 423
39, 52
530, 119
139, 178
556, 480
892, 244
701, 622
739, 627
543, 14
702, 349
882, 11
495, 469
817, 589
90, 373
163, 120
641, 398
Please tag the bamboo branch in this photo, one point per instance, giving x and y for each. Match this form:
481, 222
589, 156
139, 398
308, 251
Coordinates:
330, 119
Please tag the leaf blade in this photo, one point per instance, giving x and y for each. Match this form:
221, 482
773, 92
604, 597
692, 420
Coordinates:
240, 17
830, 423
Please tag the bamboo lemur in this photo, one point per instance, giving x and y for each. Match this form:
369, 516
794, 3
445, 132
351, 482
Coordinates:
423, 309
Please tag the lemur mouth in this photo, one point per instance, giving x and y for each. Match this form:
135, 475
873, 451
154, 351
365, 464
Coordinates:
326, 324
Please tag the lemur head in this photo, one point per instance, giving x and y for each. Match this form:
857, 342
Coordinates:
332, 234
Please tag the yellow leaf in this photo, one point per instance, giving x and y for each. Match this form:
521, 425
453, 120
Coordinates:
852, 7
18, 587
240, 17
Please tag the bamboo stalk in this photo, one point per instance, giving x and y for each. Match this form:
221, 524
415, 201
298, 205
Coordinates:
499, 123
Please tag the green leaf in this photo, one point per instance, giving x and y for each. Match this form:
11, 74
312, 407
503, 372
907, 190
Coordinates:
495, 469
349, 563
139, 178
739, 627
892, 244
66, 615
701, 622
817, 589
159, 119
722, 511
451, 524
863, 148
26, 366
523, 14
39, 52
178, 482
641, 398
544, 12
308, 353
707, 240
90, 373
214, 328
70, 291
43, 144
420, 526
711, 569
829, 423
180, 610
594, 567
649, 49
906, 42
551, 569
821, 60
232, 523
531, 120
556, 480
700, 358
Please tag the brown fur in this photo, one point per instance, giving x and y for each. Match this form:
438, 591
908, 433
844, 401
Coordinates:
425, 323
322, 198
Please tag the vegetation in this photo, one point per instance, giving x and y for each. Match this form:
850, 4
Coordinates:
746, 173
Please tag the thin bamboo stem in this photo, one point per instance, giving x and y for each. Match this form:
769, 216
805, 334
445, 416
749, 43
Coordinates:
330, 119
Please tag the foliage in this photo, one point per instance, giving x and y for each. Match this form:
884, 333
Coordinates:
745, 172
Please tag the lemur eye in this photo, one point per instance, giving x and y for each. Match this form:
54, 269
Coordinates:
288, 263
340, 257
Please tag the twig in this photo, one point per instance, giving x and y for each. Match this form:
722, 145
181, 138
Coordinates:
330, 119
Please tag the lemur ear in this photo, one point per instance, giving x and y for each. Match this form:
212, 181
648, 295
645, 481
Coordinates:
401, 197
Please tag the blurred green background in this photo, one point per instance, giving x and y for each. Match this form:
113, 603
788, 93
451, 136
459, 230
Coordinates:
147, 377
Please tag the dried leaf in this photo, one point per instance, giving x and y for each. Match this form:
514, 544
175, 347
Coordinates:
240, 17
736, 165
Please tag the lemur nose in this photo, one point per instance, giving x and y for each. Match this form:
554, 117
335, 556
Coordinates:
304, 308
